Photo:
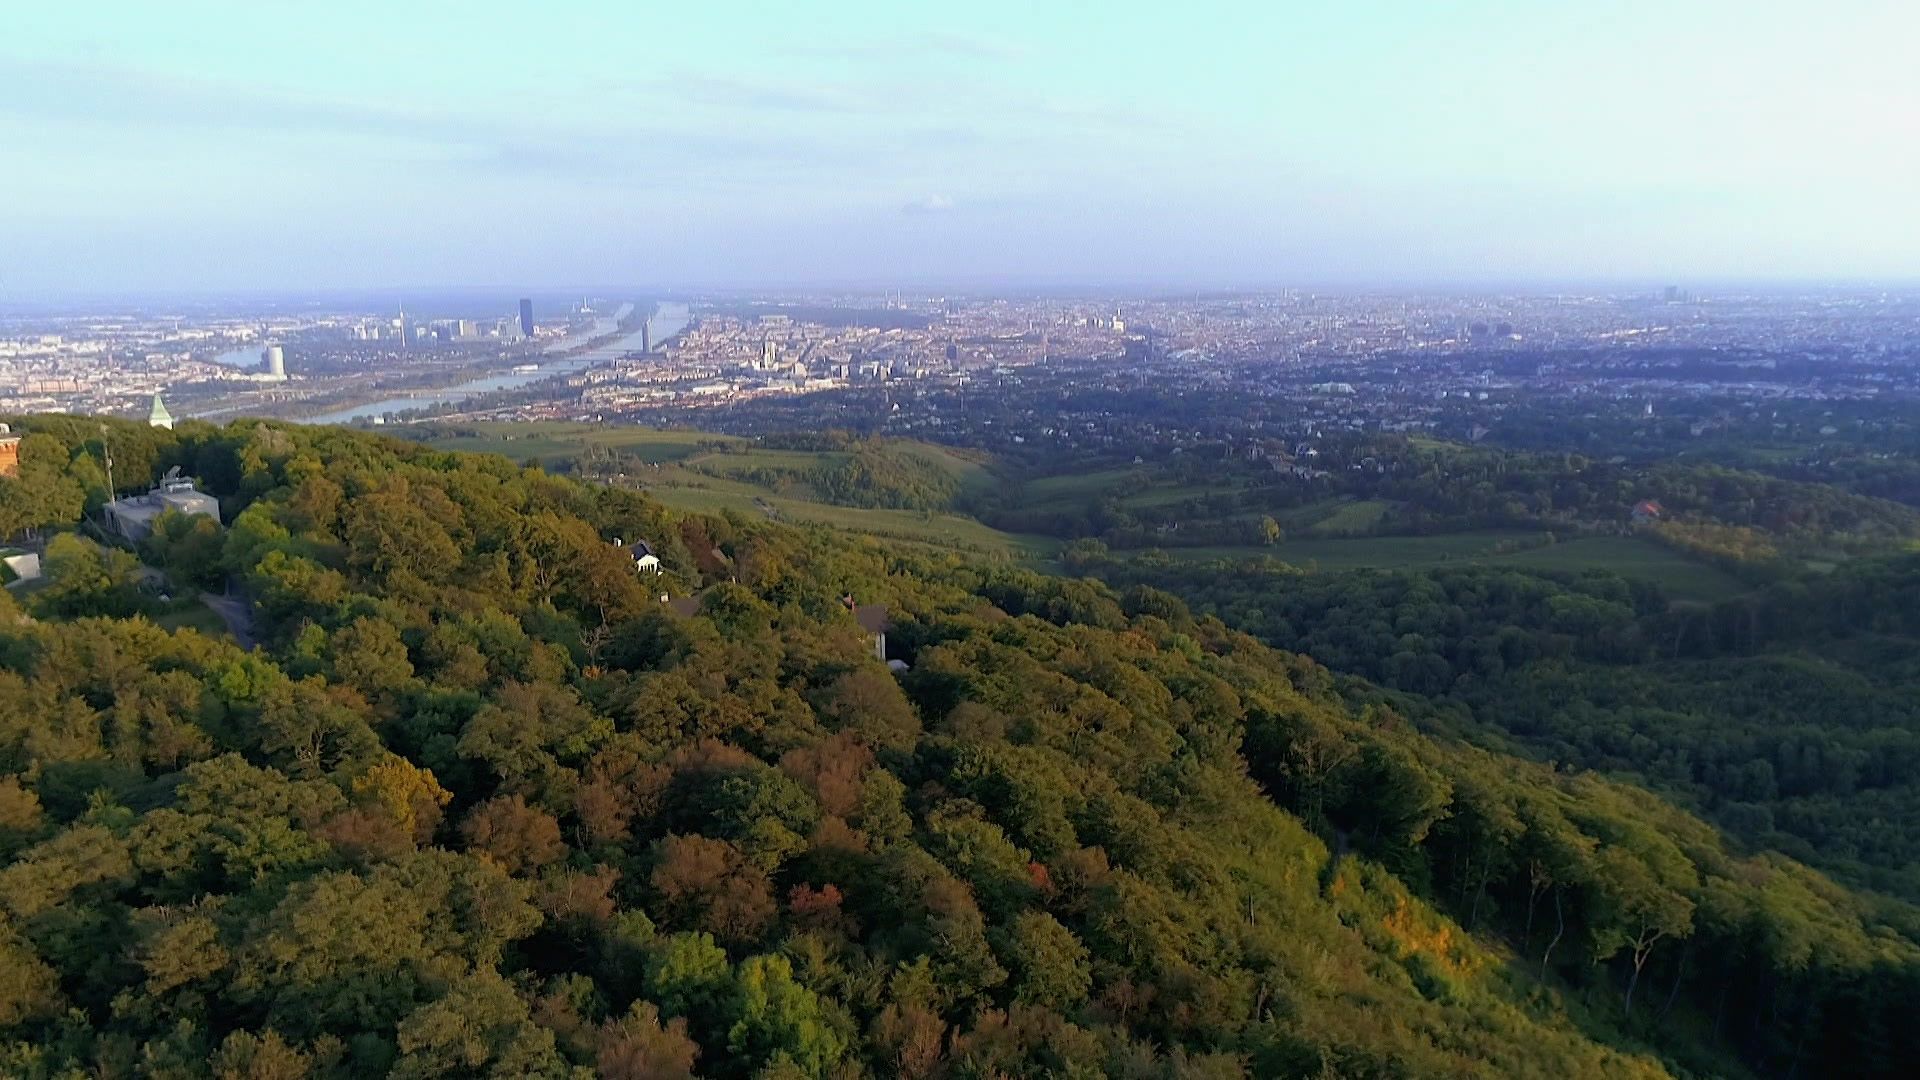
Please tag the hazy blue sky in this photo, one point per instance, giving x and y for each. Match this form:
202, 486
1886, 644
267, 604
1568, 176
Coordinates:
202, 145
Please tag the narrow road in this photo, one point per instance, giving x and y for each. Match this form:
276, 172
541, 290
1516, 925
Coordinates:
237, 613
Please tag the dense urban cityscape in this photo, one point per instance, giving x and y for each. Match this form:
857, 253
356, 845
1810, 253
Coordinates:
991, 372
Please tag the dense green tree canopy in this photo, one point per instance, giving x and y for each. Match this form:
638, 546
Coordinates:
481, 805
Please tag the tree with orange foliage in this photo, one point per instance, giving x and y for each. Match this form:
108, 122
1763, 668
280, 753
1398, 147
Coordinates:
517, 836
711, 885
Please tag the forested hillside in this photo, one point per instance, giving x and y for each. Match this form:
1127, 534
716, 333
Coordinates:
480, 804
850, 471
1217, 494
1791, 715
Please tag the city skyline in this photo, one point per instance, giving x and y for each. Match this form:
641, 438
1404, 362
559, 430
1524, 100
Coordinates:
1240, 146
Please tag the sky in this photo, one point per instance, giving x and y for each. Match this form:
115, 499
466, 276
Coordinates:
206, 146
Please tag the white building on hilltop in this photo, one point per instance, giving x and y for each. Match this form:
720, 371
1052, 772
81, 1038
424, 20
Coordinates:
133, 516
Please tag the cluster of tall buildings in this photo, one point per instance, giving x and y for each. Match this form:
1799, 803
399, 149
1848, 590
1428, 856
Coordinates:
408, 331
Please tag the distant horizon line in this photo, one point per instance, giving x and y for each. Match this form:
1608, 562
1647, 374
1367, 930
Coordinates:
38, 301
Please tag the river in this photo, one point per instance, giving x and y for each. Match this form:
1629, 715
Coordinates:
667, 321
601, 327
248, 357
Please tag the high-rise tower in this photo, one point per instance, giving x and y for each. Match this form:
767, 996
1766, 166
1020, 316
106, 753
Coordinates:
526, 317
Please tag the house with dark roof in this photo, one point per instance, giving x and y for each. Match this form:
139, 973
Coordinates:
644, 560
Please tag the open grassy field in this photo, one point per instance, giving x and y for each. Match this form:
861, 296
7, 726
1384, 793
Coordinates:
552, 441
198, 616
1169, 494
694, 476
1630, 557
1135, 488
940, 530
1382, 552
739, 461
966, 471
746, 478
970, 469
782, 472
1343, 517
1077, 487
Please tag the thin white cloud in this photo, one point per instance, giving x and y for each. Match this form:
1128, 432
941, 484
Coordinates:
929, 204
